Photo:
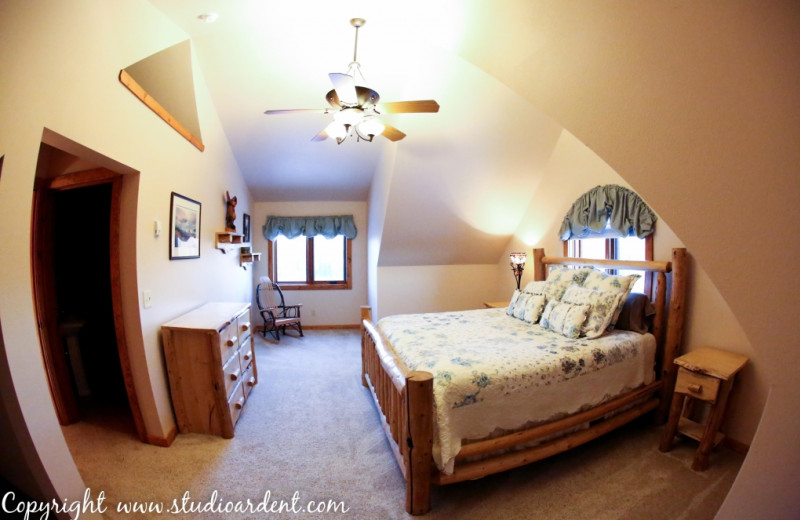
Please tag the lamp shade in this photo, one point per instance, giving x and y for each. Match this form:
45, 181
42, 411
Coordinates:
518, 258
349, 116
336, 130
370, 126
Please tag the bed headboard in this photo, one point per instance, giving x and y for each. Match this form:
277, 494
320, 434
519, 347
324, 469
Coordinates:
669, 300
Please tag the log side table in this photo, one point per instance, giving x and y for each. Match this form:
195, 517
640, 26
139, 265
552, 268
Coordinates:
705, 374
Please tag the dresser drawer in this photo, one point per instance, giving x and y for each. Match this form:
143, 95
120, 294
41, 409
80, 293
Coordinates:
228, 341
696, 385
236, 403
245, 354
248, 380
243, 322
232, 374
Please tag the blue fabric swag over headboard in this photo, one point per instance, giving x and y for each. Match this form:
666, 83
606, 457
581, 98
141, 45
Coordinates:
610, 211
293, 227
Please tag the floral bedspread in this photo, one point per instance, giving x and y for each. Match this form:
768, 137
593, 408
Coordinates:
493, 372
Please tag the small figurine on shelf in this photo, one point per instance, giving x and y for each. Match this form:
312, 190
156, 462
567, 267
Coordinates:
230, 213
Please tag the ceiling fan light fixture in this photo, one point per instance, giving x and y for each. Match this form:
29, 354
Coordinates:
336, 130
355, 106
370, 126
349, 116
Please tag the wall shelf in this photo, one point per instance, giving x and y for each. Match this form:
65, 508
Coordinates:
227, 240
248, 258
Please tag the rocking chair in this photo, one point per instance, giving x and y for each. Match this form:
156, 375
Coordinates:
275, 313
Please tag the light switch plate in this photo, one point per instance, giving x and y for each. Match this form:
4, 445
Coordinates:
147, 299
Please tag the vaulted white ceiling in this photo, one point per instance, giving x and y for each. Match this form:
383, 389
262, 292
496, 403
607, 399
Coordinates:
277, 55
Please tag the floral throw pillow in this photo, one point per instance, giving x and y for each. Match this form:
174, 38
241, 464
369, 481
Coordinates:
533, 308
600, 281
536, 287
559, 278
512, 302
564, 318
519, 305
602, 304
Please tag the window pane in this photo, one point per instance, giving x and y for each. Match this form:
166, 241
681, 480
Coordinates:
632, 248
329, 259
290, 262
593, 248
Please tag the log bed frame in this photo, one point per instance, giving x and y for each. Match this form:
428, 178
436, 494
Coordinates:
405, 397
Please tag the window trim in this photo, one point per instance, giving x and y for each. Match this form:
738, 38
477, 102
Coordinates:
347, 284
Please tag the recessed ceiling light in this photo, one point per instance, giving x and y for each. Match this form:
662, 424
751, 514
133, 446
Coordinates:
208, 17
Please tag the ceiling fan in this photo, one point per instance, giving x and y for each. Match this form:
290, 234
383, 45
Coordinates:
354, 106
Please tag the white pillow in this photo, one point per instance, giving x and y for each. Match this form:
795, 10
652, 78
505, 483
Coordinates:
564, 318
510, 309
534, 308
519, 305
559, 278
603, 305
536, 287
600, 281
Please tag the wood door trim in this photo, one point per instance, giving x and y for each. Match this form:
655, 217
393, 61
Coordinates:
55, 362
55, 365
82, 179
116, 304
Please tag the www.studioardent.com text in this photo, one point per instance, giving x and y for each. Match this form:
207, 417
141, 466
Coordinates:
186, 504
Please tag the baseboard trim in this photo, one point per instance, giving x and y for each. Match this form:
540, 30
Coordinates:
164, 442
331, 327
737, 446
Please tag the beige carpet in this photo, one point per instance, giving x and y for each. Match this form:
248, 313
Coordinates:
310, 430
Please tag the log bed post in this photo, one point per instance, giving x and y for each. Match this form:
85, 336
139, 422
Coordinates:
366, 314
539, 268
419, 458
675, 321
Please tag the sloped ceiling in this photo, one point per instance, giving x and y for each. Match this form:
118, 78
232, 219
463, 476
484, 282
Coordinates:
464, 175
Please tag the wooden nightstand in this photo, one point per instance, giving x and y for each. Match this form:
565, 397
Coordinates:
705, 374
495, 305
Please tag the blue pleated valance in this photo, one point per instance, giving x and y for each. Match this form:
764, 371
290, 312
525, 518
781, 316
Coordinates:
609, 211
293, 227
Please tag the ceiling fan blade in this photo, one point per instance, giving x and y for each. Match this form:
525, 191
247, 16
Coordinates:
320, 136
391, 133
345, 87
298, 110
408, 107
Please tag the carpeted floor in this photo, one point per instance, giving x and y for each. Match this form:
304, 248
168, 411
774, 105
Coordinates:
310, 432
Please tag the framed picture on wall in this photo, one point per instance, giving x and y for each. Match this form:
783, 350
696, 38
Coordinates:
246, 227
184, 229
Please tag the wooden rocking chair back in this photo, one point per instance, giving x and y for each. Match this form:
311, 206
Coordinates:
274, 311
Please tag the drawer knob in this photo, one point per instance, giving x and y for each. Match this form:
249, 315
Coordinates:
247, 357
695, 388
252, 381
233, 341
245, 326
235, 374
239, 403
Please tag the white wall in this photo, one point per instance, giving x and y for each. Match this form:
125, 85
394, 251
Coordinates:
60, 64
323, 307
378, 197
436, 288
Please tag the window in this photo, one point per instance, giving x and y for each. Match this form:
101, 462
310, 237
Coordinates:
311, 263
628, 248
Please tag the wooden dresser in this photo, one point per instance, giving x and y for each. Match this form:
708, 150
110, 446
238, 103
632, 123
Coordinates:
211, 365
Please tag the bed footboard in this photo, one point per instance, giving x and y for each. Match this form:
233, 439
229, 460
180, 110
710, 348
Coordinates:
405, 400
